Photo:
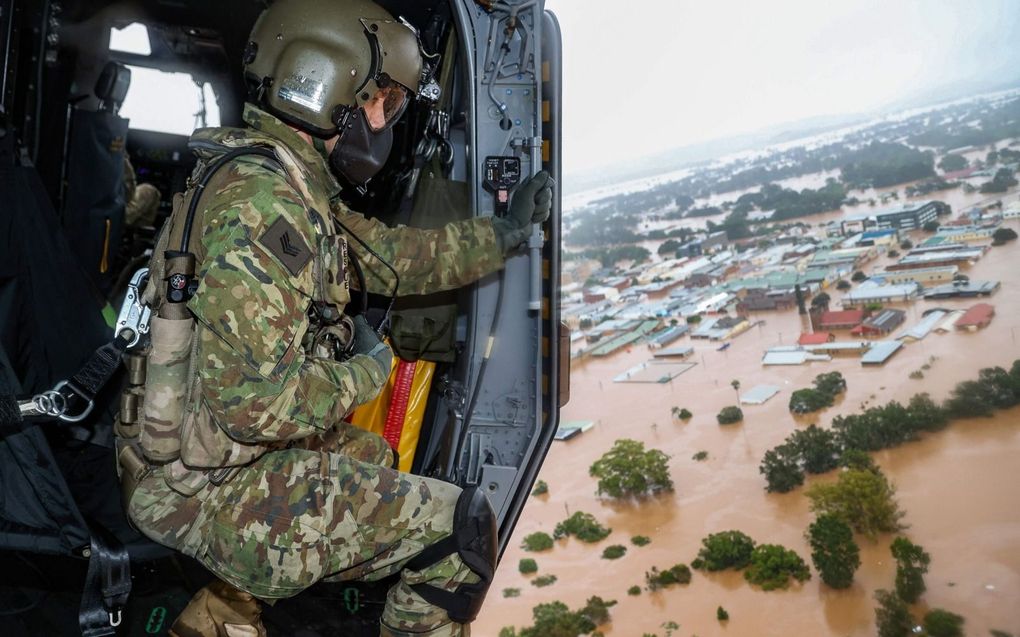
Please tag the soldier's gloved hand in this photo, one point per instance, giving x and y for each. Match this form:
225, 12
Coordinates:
531, 203
367, 342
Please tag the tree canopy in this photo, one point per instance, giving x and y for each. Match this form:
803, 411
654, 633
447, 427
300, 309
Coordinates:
628, 470
583, 526
805, 401
892, 617
773, 566
554, 619
676, 574
833, 550
864, 500
781, 468
881, 164
727, 549
911, 564
942, 623
1001, 182
832, 383
1002, 235
952, 162
537, 541
729, 415
818, 448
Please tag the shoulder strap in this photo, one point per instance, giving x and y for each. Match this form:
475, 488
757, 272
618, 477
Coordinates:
174, 240
222, 160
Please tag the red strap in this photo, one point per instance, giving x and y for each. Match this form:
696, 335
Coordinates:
398, 402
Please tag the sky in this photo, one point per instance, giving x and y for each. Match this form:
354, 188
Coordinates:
645, 76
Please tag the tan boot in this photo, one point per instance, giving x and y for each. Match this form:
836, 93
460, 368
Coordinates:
220, 610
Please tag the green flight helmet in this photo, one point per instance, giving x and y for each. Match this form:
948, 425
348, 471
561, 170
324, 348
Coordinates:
312, 62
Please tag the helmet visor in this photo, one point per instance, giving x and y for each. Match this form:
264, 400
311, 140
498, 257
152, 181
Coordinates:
385, 107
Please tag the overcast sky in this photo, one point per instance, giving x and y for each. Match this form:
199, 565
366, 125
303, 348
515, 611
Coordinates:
642, 76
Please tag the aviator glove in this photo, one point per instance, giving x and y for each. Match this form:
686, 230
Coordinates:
367, 342
530, 204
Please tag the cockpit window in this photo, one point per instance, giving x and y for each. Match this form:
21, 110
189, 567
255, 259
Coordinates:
134, 38
169, 102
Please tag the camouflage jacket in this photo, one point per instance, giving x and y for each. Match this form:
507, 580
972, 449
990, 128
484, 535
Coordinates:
266, 251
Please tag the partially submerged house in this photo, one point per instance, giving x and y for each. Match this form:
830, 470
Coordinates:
841, 320
881, 323
816, 338
881, 352
976, 317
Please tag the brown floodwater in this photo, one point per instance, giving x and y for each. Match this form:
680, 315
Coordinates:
959, 487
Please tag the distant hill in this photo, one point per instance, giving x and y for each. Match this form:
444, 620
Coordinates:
694, 154
706, 151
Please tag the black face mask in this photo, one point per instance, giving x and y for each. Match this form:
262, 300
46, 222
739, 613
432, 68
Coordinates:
359, 153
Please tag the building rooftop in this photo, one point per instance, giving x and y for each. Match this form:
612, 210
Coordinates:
942, 256
871, 291
840, 346
877, 234
816, 338
779, 356
880, 352
674, 352
884, 321
962, 288
949, 322
977, 315
844, 317
925, 327
654, 371
951, 269
668, 335
759, 394
909, 206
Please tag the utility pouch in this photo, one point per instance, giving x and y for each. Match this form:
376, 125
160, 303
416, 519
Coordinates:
425, 333
424, 327
166, 384
184, 480
332, 280
131, 467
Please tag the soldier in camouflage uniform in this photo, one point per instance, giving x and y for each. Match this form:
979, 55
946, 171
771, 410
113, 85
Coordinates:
262, 481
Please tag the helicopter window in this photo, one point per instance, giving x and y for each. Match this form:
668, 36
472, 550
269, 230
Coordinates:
169, 102
134, 38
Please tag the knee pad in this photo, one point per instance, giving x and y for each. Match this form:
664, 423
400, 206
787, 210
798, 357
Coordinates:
474, 539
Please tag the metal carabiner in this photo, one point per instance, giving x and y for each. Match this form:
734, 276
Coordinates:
133, 319
74, 391
445, 154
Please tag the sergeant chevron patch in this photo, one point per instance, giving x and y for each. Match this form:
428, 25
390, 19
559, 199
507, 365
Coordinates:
284, 243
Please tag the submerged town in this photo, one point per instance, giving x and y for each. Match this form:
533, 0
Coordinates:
721, 292
867, 269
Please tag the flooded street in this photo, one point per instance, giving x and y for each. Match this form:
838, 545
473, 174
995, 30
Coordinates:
957, 487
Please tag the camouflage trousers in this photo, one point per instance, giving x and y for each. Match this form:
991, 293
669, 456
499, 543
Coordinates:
331, 510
